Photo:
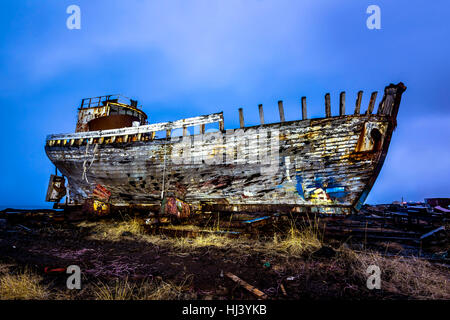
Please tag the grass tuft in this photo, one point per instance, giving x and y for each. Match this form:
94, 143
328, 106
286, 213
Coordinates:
115, 231
412, 277
298, 241
22, 286
147, 290
209, 240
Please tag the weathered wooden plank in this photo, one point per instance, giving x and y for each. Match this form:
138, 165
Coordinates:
188, 122
391, 100
327, 106
358, 103
373, 97
281, 110
241, 117
342, 104
247, 286
304, 114
261, 113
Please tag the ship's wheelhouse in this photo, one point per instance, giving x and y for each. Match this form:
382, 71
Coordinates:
109, 112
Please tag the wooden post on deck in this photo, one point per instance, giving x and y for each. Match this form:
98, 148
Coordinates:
327, 106
221, 126
342, 104
261, 113
241, 117
373, 97
304, 116
168, 133
358, 103
281, 109
202, 129
185, 131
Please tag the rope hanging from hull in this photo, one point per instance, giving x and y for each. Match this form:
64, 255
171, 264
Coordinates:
164, 173
85, 167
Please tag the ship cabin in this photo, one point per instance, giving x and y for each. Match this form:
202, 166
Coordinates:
109, 112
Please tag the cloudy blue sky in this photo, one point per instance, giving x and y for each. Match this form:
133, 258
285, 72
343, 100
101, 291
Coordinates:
187, 58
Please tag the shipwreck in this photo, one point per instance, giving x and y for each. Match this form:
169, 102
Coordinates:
115, 158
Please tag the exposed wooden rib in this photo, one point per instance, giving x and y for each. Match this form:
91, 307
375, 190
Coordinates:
373, 97
281, 109
261, 113
304, 115
327, 106
358, 103
342, 103
241, 117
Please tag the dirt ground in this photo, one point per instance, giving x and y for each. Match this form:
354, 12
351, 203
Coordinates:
119, 260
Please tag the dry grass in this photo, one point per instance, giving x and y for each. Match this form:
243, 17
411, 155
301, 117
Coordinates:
122, 290
22, 286
147, 290
185, 227
208, 240
403, 276
168, 291
297, 242
115, 231
410, 276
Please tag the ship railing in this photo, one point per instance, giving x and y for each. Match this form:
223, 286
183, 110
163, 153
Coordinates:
135, 133
95, 102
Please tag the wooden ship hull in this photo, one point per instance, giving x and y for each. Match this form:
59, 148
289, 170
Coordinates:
325, 165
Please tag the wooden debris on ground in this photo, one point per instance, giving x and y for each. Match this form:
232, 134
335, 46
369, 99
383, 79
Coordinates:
247, 286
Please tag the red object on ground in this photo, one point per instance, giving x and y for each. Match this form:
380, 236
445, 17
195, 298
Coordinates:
54, 270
